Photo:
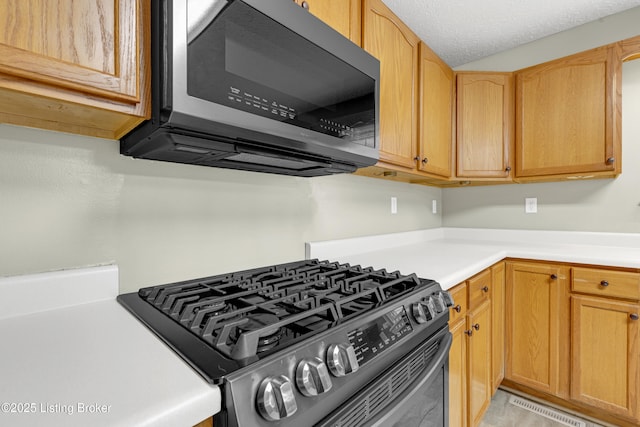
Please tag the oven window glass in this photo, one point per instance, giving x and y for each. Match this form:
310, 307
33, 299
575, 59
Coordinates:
241, 58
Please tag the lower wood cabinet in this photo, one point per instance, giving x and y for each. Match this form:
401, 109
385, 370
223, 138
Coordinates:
480, 386
470, 359
573, 337
567, 334
605, 340
606, 354
497, 324
534, 306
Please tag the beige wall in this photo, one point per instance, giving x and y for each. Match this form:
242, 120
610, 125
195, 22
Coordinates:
597, 205
69, 201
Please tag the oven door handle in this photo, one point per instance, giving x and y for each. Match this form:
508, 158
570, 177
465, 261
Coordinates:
428, 375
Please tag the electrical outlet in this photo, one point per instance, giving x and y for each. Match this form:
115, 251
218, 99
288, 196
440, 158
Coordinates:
531, 205
394, 205
434, 206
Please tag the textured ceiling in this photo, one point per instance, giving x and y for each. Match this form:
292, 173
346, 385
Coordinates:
461, 31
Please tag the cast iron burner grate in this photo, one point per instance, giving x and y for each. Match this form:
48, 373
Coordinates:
253, 313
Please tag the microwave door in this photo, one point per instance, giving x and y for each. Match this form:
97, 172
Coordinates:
235, 64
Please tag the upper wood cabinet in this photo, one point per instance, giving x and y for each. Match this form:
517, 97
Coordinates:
568, 117
343, 16
387, 38
436, 106
485, 125
72, 66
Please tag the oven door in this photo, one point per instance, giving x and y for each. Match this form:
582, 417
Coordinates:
412, 393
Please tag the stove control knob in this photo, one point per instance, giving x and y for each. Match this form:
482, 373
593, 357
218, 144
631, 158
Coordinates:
418, 312
448, 298
276, 399
342, 360
430, 308
439, 302
312, 377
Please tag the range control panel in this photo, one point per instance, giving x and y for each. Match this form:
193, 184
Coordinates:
374, 337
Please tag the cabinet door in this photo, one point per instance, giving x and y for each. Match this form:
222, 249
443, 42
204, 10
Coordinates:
76, 66
533, 324
87, 45
458, 375
343, 16
497, 324
484, 125
568, 115
436, 114
605, 354
396, 46
479, 385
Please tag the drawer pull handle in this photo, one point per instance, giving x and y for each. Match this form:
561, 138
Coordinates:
469, 332
633, 316
554, 276
457, 308
604, 283
485, 289
476, 326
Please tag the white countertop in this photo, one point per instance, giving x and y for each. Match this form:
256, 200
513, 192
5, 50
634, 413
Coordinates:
71, 355
82, 359
451, 255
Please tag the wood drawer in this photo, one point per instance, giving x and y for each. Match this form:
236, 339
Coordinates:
607, 283
459, 309
479, 288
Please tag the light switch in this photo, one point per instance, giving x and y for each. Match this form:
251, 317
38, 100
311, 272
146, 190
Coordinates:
531, 205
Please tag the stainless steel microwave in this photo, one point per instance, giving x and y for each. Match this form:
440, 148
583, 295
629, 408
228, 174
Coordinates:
258, 85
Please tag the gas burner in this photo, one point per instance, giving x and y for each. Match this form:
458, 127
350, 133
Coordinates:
269, 342
258, 321
214, 309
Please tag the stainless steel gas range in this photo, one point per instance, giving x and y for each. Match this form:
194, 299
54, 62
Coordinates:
310, 343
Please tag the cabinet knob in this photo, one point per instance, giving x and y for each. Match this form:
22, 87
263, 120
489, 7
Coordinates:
476, 326
305, 5
469, 332
554, 276
425, 161
604, 283
611, 160
457, 308
633, 316
485, 289
416, 158
507, 169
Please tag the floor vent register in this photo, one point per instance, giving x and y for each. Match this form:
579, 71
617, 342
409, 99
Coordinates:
546, 412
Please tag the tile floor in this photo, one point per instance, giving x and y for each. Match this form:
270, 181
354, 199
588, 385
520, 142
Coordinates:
503, 414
